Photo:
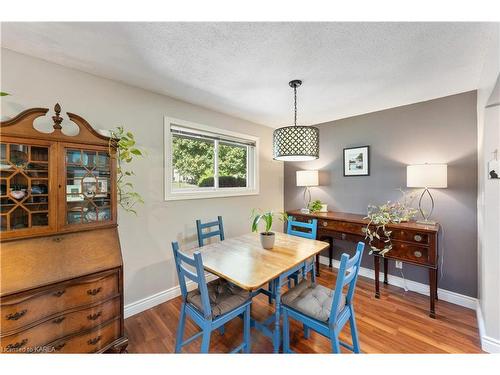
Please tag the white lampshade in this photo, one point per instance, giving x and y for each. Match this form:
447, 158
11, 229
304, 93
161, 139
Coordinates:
307, 178
427, 175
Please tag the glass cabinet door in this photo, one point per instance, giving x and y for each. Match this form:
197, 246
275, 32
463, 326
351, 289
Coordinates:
24, 186
88, 186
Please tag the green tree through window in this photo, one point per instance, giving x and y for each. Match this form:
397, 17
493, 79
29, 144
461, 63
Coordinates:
192, 159
193, 162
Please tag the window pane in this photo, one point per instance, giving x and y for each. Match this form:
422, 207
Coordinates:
232, 165
193, 162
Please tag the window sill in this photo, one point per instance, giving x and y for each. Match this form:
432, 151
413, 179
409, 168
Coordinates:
179, 196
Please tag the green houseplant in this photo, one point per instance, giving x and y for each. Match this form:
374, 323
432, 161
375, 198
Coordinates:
315, 206
267, 237
381, 216
127, 151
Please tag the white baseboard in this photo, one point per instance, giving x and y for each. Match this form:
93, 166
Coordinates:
160, 297
444, 295
488, 344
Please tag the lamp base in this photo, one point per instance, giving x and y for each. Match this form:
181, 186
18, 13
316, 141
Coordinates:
305, 210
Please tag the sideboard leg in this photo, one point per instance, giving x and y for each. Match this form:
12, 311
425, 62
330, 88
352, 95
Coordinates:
437, 273
386, 267
433, 291
330, 252
377, 272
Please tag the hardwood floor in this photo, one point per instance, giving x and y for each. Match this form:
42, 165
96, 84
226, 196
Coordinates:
397, 323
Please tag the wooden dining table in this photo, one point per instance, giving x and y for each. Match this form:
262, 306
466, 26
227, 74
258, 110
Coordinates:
243, 261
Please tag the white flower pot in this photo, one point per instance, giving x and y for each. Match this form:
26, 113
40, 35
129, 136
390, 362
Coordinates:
267, 240
324, 208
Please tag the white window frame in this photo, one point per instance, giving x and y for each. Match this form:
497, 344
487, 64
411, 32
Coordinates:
208, 192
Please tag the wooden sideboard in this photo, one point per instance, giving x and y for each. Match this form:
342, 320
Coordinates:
413, 243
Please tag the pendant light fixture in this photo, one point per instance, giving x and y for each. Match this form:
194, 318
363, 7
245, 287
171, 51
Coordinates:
297, 142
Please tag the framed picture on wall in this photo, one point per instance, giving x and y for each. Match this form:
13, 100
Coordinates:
357, 161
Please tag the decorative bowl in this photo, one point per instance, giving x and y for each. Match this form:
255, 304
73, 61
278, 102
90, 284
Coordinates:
17, 194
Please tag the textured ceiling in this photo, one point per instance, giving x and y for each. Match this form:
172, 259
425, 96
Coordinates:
243, 69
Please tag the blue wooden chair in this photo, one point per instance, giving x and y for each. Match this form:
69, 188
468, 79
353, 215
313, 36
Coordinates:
202, 236
324, 310
211, 305
310, 232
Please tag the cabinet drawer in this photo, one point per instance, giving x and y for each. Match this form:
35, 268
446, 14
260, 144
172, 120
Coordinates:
341, 226
411, 253
89, 342
61, 326
411, 236
18, 311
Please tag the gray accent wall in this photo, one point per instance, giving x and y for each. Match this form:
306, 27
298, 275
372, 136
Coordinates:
442, 130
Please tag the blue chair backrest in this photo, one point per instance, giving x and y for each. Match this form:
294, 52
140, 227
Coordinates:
312, 226
197, 276
348, 274
204, 235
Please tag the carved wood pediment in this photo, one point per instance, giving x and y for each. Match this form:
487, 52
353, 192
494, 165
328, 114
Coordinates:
23, 126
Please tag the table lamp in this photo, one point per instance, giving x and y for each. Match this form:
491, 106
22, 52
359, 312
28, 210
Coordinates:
427, 176
307, 179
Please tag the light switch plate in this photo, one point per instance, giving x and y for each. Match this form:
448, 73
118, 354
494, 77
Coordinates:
399, 264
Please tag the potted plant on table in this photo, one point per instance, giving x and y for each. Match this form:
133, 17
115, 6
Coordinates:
267, 237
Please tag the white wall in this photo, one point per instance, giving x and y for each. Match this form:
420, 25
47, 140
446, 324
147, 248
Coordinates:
106, 104
489, 200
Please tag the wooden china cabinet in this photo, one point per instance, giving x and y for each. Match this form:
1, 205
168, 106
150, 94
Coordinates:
61, 270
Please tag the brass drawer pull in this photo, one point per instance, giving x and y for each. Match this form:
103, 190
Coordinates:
17, 345
93, 292
325, 223
59, 293
417, 237
364, 230
344, 236
94, 341
94, 316
60, 346
417, 253
16, 315
57, 239
58, 320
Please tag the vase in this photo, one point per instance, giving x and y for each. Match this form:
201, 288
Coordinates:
267, 240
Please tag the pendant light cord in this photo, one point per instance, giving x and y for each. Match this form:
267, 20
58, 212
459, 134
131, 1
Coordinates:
295, 98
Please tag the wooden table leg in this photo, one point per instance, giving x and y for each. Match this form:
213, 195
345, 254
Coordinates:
377, 271
386, 267
317, 264
433, 292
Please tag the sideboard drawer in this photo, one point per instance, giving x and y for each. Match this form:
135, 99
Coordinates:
18, 311
411, 253
341, 226
63, 325
89, 342
411, 236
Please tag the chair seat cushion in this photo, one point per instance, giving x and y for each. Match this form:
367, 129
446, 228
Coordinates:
224, 297
313, 300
